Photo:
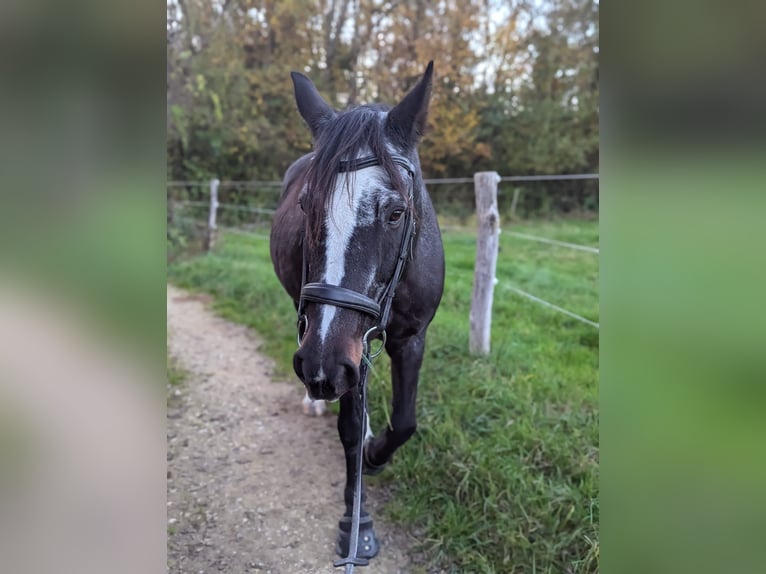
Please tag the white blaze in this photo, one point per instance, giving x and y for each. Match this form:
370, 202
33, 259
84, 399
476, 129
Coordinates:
340, 223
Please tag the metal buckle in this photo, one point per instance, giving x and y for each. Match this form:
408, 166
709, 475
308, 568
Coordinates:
303, 321
366, 345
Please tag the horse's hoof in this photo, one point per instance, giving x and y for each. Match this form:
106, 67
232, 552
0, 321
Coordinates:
367, 467
313, 408
368, 544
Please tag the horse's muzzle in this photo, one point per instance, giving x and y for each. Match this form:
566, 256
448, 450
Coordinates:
325, 378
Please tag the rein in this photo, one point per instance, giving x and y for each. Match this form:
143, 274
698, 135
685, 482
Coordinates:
380, 311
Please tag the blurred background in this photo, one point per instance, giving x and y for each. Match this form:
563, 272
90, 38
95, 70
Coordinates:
82, 284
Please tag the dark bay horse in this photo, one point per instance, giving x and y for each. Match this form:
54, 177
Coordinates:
349, 212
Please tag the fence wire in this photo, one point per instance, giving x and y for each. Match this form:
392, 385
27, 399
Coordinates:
528, 237
275, 186
551, 305
428, 181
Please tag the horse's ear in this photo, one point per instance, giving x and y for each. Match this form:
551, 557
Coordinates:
407, 121
314, 110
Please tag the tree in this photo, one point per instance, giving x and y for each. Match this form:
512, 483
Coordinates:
515, 85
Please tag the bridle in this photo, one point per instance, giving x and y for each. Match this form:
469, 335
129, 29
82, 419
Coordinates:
379, 310
327, 294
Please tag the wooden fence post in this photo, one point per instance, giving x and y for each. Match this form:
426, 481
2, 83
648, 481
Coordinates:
212, 229
488, 219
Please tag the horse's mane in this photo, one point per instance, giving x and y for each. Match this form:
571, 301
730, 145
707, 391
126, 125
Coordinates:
350, 134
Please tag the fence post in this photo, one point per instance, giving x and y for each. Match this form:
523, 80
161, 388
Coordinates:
211, 225
488, 219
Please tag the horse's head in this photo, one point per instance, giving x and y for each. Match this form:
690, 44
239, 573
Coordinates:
359, 200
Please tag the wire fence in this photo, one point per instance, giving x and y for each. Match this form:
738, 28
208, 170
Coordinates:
239, 218
522, 196
551, 306
577, 246
428, 181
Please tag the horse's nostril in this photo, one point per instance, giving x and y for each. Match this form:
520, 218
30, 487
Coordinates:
351, 372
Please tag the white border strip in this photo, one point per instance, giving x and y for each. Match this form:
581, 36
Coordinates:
587, 248
551, 305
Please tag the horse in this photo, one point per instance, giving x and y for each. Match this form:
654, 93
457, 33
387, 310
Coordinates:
356, 244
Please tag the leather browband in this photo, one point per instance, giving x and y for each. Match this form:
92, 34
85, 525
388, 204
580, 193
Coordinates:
371, 161
341, 297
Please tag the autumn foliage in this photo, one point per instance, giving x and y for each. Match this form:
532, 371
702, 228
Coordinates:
516, 83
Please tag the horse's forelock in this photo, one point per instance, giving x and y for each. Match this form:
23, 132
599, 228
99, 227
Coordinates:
351, 134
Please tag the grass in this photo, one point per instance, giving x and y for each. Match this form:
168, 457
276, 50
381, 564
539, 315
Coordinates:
176, 374
502, 475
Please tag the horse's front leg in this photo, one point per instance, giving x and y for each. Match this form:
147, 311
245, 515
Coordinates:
349, 429
406, 359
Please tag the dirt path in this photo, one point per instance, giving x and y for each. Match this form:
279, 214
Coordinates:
253, 484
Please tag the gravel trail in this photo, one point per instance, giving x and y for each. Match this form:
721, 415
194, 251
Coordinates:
254, 485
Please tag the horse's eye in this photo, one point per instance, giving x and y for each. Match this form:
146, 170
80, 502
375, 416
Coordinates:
396, 216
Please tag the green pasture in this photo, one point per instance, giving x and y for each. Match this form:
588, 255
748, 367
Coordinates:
502, 475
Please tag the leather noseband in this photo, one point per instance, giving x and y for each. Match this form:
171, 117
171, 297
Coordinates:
340, 297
